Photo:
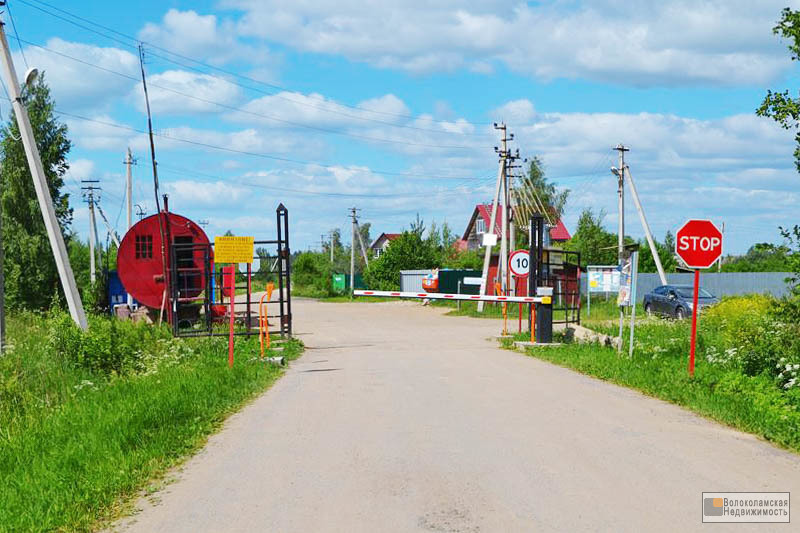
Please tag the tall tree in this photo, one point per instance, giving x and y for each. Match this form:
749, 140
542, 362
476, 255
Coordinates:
30, 270
780, 106
596, 245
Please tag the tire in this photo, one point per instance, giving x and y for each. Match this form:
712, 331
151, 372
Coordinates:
648, 310
680, 314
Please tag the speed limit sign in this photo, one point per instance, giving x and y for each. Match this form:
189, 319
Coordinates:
519, 263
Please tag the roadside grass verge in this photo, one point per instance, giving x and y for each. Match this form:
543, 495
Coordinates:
749, 403
746, 373
81, 437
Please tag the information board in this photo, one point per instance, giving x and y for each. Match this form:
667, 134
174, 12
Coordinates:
603, 278
232, 249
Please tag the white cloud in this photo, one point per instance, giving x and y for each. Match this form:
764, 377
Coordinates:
669, 42
204, 193
168, 92
200, 36
82, 168
102, 133
78, 86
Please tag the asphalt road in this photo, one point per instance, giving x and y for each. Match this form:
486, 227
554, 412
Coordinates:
399, 419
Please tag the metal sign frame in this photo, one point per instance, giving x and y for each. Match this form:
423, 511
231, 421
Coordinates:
193, 316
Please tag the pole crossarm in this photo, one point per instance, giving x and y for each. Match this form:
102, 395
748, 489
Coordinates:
446, 296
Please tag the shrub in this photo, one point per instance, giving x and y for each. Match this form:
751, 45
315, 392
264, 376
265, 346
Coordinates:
110, 345
311, 274
407, 252
750, 336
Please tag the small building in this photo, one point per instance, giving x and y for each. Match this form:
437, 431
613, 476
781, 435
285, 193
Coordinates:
382, 242
479, 222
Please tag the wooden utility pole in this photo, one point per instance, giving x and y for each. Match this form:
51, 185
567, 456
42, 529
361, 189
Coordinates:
40, 184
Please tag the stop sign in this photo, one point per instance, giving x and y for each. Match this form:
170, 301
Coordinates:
698, 243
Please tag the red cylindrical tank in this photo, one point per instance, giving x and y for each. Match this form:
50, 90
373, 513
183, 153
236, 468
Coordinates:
139, 261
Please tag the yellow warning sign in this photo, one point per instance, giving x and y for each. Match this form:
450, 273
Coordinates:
230, 249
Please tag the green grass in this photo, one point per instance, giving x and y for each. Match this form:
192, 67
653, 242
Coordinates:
734, 383
77, 445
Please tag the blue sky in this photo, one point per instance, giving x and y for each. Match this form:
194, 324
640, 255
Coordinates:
387, 106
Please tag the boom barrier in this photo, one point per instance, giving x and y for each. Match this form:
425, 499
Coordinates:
445, 296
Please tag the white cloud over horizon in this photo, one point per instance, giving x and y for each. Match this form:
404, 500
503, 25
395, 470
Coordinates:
643, 44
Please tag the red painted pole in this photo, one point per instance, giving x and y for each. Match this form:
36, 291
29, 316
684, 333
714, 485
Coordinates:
694, 320
233, 300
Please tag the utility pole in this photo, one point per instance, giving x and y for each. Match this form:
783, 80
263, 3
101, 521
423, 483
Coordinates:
110, 230
331, 236
322, 242
129, 162
620, 172
621, 201
512, 215
88, 193
501, 172
40, 184
353, 250
646, 228
361, 242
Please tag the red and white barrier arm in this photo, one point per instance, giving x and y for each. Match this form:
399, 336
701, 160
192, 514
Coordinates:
444, 296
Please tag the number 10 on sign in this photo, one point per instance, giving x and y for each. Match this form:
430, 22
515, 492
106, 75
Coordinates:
519, 263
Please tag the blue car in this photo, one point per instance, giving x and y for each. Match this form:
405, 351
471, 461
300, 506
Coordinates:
676, 301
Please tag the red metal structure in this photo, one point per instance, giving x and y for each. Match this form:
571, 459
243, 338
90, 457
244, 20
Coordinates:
140, 262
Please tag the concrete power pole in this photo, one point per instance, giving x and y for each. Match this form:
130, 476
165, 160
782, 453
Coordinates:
88, 193
501, 172
621, 200
646, 228
40, 184
129, 162
353, 251
361, 242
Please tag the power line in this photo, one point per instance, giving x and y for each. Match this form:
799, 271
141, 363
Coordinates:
246, 111
189, 172
14, 26
241, 76
245, 152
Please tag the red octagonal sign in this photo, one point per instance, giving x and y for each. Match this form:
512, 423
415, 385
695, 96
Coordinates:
698, 243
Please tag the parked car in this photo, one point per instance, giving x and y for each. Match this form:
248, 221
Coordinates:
676, 300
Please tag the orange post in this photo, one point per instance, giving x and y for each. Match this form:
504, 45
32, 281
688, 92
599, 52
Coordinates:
263, 322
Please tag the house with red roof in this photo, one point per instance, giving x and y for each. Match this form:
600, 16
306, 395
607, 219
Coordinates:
479, 222
382, 242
